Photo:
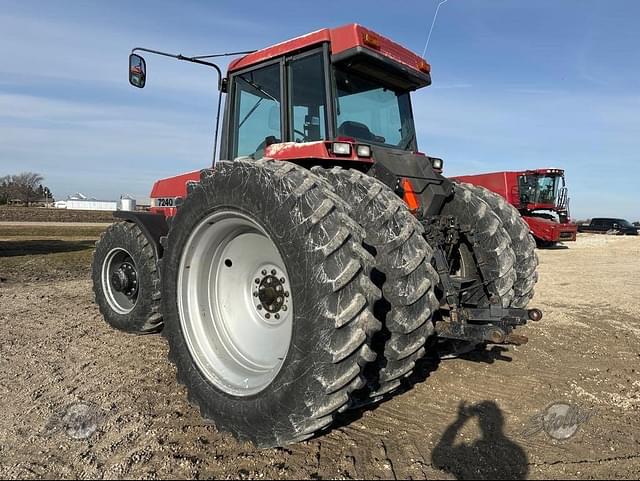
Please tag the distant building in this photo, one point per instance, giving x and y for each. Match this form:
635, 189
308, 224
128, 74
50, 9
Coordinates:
92, 204
80, 201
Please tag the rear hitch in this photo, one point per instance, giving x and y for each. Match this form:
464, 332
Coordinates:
492, 325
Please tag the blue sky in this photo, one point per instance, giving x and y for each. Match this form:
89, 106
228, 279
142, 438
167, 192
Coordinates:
516, 85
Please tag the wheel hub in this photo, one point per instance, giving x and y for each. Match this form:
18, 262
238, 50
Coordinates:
119, 280
125, 280
271, 293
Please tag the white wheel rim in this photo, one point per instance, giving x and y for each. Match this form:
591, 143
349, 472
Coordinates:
119, 301
234, 302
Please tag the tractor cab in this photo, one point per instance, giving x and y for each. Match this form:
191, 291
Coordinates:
336, 96
332, 94
346, 86
312, 97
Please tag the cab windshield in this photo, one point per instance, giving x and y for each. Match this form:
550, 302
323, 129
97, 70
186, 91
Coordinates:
369, 112
539, 189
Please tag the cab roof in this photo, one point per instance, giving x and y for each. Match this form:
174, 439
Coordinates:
341, 40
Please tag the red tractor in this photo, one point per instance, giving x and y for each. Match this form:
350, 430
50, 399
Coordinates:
310, 273
540, 195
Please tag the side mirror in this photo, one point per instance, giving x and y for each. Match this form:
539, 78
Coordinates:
137, 71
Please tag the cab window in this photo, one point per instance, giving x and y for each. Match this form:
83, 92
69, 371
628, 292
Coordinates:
368, 111
257, 111
307, 98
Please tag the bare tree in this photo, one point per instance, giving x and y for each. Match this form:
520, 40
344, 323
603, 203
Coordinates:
26, 187
5, 188
27, 184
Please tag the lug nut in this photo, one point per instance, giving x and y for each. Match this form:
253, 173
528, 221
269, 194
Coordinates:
282, 280
286, 294
267, 315
284, 308
257, 281
255, 294
259, 307
264, 272
273, 272
277, 316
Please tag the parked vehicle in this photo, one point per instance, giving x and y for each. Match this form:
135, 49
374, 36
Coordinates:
608, 225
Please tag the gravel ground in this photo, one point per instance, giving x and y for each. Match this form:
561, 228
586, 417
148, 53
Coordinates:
465, 418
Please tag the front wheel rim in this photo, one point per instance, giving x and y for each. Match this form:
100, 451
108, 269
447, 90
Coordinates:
235, 303
120, 280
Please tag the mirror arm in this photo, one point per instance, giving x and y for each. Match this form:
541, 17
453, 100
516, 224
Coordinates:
220, 86
228, 54
184, 58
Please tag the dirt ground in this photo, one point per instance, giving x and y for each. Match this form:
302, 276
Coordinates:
56, 351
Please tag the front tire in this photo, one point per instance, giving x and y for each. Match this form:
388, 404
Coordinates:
126, 280
303, 232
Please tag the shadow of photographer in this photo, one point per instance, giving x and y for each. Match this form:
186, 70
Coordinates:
492, 456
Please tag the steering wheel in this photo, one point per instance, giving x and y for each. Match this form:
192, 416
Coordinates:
304, 136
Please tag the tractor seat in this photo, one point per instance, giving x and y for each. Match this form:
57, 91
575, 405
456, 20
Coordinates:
359, 131
356, 130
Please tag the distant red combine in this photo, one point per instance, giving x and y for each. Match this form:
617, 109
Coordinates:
540, 195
